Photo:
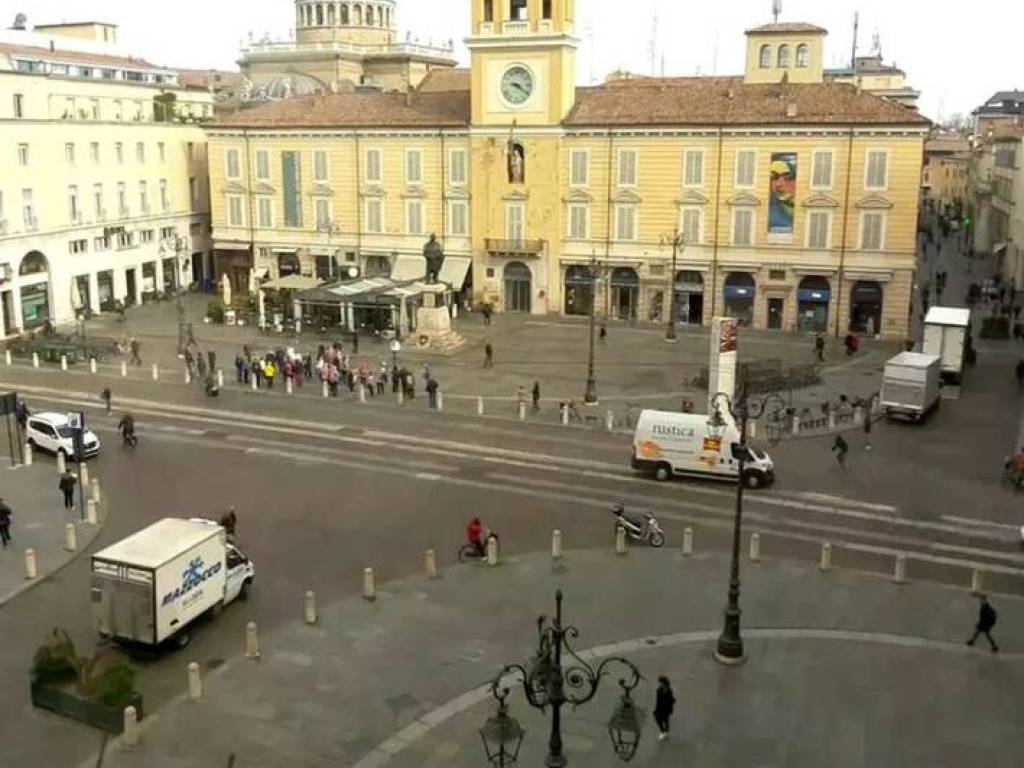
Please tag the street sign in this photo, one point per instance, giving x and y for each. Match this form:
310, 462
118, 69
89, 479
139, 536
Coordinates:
396, 346
75, 419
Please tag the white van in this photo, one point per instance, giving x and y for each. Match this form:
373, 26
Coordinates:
667, 444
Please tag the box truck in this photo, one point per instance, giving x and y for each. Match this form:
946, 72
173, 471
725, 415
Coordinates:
150, 587
666, 444
910, 386
947, 334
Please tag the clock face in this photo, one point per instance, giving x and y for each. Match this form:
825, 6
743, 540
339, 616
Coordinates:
516, 85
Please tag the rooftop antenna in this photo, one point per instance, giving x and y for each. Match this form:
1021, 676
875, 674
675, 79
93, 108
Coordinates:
654, 39
856, 28
589, 34
876, 44
776, 10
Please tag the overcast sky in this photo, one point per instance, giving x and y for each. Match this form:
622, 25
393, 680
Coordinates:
956, 54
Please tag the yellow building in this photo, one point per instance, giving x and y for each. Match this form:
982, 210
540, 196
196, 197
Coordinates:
797, 198
103, 180
945, 176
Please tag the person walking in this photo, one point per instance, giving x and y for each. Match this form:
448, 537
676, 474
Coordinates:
5, 522
201, 366
432, 387
355, 341
819, 347
536, 396
105, 397
840, 449
134, 346
488, 355
603, 333
257, 371
487, 313
212, 357
395, 379
228, 522
867, 423
382, 377
21, 414
269, 371
66, 484
986, 620
239, 364
664, 704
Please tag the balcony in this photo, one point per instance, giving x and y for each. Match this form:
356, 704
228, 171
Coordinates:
516, 27
514, 247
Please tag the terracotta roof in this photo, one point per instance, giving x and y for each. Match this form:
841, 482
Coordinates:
77, 57
728, 101
206, 78
947, 145
787, 27
356, 109
445, 79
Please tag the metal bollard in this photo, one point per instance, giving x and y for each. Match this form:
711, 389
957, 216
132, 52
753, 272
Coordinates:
826, 556
687, 541
156, 372
195, 682
492, 551
84, 478
7, 356
609, 421
831, 421
440, 400
556, 544
188, 376
63, 362
252, 641
30, 564
899, 573
430, 564
124, 369
479, 406
325, 389
96, 490
858, 417
752, 429
62, 463
310, 607
130, 736
70, 540
401, 396
755, 547
28, 454
620, 540
220, 378
92, 365
522, 411
35, 359
362, 393
796, 424
369, 587
254, 383
90, 512
976, 587
289, 388
565, 416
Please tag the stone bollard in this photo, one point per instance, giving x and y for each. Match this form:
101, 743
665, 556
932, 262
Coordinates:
28, 454
620, 540
62, 463
826, 556
156, 372
752, 429
565, 416
92, 365
858, 417
35, 359
325, 389
7, 357
254, 383
310, 607
188, 376
401, 396
124, 369
96, 490
556, 544
440, 400
70, 540
899, 573
831, 421
755, 547
522, 411
90, 512
130, 736
195, 682
796, 424
609, 421
84, 475
220, 378
430, 564
492, 551
369, 586
362, 393
252, 641
976, 587
63, 362
289, 388
687, 541
30, 564
479, 406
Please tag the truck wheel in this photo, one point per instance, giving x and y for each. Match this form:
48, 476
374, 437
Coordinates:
752, 479
182, 639
662, 472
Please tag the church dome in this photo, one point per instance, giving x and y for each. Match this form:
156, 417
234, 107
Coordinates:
288, 85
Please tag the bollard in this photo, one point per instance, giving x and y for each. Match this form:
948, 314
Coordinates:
310, 607
522, 411
30, 563
92, 365
7, 356
254, 383
430, 563
220, 378
362, 393
252, 641
556, 544
858, 417
369, 588
195, 682
687, 542
899, 573
440, 400
620, 540
976, 588
62, 463
124, 369
826, 556
479, 406
492, 551
289, 388
188, 376
63, 362
565, 416
35, 359
796, 424
90, 512
401, 396
755, 547
752, 429
325, 389
96, 490
130, 736
70, 542
831, 421
84, 476
609, 421
28, 454
156, 372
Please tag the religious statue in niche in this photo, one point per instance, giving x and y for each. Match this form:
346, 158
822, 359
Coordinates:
516, 163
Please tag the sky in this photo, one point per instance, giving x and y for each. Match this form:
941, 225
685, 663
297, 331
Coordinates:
956, 55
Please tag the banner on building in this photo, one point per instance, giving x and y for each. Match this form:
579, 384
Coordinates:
782, 195
722, 365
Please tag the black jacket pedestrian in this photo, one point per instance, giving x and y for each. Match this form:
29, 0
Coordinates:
664, 702
986, 617
5, 514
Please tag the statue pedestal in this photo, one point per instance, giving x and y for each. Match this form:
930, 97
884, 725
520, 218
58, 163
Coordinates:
434, 331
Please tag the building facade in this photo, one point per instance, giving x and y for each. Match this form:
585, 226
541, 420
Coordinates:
103, 180
997, 198
945, 177
797, 198
1004, 108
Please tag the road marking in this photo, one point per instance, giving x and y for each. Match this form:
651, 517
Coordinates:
983, 523
825, 497
428, 476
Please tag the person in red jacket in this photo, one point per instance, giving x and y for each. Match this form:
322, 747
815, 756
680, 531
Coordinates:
475, 535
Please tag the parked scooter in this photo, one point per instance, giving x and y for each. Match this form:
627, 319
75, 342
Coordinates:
646, 532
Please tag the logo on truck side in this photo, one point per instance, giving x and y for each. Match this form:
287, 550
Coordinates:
193, 576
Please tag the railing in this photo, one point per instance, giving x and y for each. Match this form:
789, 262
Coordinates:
516, 27
515, 246
288, 46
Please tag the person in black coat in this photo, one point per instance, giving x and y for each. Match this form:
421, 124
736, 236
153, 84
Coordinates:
986, 620
5, 522
67, 487
664, 704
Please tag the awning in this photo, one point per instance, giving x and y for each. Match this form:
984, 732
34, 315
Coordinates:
292, 283
454, 271
222, 246
409, 267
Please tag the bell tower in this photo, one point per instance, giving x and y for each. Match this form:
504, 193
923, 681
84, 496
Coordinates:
523, 61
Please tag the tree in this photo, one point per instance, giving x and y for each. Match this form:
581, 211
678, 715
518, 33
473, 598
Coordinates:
958, 123
165, 107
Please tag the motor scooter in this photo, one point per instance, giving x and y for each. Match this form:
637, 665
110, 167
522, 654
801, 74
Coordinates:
646, 532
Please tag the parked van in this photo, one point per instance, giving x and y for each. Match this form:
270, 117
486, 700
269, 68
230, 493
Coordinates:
667, 444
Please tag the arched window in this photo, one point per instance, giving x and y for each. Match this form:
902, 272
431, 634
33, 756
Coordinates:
33, 263
319, 15
344, 15
369, 15
803, 55
783, 57
330, 15
357, 15
766, 56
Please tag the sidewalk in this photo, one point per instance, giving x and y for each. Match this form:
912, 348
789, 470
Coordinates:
38, 523
843, 669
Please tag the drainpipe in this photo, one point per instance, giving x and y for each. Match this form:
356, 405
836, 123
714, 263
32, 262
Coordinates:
444, 179
249, 199
359, 201
718, 212
608, 232
846, 220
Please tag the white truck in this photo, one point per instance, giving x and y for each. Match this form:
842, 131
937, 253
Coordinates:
910, 386
947, 334
150, 587
667, 443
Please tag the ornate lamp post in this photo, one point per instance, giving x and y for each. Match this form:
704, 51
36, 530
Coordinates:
177, 243
730, 643
547, 683
590, 394
678, 242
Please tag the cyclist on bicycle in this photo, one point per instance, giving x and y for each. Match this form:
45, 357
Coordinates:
475, 535
126, 426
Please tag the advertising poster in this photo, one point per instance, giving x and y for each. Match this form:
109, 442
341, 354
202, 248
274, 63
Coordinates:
782, 196
724, 353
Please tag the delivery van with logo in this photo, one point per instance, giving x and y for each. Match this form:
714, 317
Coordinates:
667, 444
150, 587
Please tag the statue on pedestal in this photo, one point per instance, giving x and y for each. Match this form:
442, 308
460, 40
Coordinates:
434, 255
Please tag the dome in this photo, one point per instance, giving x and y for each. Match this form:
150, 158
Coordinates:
288, 85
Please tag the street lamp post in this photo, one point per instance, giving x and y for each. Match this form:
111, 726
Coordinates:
548, 683
730, 644
590, 394
677, 241
178, 244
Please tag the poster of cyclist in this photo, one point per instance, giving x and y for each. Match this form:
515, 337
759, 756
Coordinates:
782, 197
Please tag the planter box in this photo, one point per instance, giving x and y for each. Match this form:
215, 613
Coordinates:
62, 701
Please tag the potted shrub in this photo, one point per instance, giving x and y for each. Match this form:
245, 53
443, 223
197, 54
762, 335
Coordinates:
215, 311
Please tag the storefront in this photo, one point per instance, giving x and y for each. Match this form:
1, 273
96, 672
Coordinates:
579, 290
149, 285
689, 297
866, 299
518, 287
813, 296
625, 293
739, 293
80, 298
34, 280
105, 286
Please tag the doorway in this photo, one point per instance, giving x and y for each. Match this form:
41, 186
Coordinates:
776, 308
130, 294
7, 306
518, 287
